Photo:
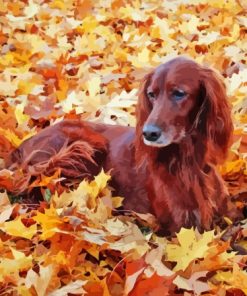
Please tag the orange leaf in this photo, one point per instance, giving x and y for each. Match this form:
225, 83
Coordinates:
153, 286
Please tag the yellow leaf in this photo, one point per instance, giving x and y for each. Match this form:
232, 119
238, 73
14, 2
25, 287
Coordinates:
11, 136
12, 267
102, 179
90, 191
73, 99
192, 245
20, 116
95, 187
60, 258
101, 211
25, 88
132, 238
164, 28
117, 201
236, 278
89, 24
236, 80
18, 58
57, 4
7, 88
45, 180
232, 167
17, 228
23, 290
31, 9
120, 54
142, 58
49, 221
131, 11
67, 198
94, 251
235, 146
190, 27
85, 195
63, 89
17, 254
94, 86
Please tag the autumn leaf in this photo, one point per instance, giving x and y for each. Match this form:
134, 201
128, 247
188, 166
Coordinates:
10, 267
134, 271
11, 136
40, 280
155, 285
75, 287
191, 246
236, 278
94, 188
49, 222
17, 228
193, 283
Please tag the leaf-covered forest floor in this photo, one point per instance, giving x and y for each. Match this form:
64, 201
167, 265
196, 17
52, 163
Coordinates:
85, 58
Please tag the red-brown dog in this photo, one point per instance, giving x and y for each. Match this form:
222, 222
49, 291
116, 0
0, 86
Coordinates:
167, 164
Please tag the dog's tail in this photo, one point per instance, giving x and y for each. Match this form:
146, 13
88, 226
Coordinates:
68, 158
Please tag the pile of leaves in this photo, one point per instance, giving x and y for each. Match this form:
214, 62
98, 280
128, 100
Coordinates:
76, 245
85, 59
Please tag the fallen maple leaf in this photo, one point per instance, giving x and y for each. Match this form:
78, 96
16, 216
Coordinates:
153, 286
40, 281
11, 267
18, 229
191, 245
72, 288
49, 222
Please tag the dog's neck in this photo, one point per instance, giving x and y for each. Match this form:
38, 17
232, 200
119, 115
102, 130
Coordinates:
189, 153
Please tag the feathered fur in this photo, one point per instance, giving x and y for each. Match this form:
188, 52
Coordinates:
173, 177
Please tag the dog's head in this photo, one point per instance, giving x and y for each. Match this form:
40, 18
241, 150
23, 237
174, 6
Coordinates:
181, 98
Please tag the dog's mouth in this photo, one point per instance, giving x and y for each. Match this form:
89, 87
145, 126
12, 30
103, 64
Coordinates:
165, 139
161, 142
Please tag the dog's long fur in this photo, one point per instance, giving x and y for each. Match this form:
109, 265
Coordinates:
173, 177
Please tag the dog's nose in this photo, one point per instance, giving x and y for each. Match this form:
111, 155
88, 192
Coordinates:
151, 132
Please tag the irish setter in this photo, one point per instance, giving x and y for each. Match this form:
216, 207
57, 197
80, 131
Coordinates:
166, 165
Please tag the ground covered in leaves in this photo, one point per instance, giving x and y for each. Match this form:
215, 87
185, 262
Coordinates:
85, 58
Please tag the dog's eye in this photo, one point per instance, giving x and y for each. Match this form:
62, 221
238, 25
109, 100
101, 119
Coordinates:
151, 95
178, 94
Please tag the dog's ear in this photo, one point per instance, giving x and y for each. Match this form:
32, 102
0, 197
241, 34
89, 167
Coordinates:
143, 110
219, 125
